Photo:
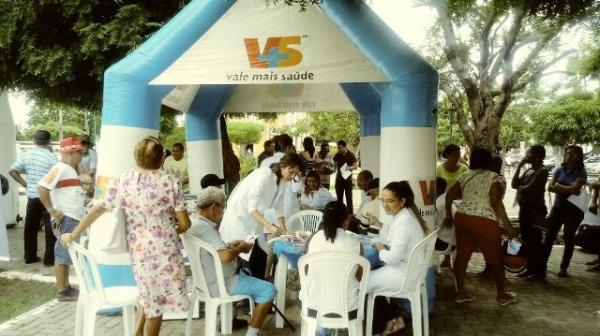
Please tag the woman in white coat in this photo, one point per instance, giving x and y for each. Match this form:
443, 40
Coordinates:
405, 231
263, 189
314, 195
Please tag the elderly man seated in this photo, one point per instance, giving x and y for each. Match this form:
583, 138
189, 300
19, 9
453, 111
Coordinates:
205, 226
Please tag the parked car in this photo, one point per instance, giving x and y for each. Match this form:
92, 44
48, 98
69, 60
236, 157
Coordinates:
550, 162
513, 159
592, 165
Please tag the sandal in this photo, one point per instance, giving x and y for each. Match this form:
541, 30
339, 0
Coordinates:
397, 325
465, 299
512, 298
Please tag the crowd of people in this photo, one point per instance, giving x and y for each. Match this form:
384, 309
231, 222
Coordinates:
469, 204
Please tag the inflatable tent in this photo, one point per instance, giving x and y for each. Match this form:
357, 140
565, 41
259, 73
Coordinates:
218, 56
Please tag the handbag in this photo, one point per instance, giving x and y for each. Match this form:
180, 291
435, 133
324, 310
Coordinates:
588, 238
108, 234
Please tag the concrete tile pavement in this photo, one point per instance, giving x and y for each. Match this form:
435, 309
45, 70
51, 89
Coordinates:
557, 306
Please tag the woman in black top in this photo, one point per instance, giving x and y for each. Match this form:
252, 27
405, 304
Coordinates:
530, 186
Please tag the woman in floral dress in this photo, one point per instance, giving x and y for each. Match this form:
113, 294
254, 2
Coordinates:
155, 213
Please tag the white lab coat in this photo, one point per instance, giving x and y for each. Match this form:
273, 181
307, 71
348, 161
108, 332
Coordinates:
275, 158
318, 199
404, 233
258, 191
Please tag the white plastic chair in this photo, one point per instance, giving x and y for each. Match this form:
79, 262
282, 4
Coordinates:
309, 220
332, 271
94, 297
413, 287
449, 251
200, 291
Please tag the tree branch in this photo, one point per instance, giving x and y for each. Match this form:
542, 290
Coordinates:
510, 40
484, 40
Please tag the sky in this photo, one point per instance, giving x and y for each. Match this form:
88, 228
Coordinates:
409, 22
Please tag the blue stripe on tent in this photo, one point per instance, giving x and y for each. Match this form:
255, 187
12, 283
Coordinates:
412, 95
401, 104
128, 101
367, 101
201, 121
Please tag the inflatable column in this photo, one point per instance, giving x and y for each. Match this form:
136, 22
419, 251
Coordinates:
203, 135
408, 142
8, 155
367, 101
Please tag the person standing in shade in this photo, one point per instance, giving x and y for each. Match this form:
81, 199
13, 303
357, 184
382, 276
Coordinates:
324, 165
61, 193
176, 165
269, 149
451, 169
530, 185
89, 162
308, 155
345, 161
567, 180
36, 163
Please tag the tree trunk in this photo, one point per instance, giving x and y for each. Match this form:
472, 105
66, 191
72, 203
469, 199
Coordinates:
231, 164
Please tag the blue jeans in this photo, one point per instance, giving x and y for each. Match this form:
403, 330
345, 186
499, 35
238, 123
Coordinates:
61, 254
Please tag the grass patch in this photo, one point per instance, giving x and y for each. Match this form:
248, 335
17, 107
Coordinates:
19, 296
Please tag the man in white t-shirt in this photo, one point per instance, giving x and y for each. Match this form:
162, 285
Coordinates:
89, 161
176, 165
205, 225
61, 193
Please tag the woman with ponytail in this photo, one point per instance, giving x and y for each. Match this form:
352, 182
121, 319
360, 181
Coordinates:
332, 237
402, 235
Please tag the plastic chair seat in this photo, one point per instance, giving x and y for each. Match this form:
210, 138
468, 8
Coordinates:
309, 220
414, 289
200, 291
116, 297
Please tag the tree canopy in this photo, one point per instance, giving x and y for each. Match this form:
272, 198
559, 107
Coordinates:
493, 50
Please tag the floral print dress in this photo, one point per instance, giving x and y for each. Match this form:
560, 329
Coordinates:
149, 201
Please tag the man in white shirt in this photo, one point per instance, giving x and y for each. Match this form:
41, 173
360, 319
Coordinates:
177, 165
205, 225
61, 193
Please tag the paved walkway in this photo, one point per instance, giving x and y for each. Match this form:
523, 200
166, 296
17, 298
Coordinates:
555, 307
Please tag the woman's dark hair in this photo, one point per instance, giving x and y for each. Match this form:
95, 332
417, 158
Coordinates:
309, 146
289, 160
496, 164
403, 190
283, 142
449, 149
149, 153
342, 143
481, 158
579, 151
334, 215
539, 151
313, 174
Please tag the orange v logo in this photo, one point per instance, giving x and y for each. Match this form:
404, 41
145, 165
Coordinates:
275, 54
428, 192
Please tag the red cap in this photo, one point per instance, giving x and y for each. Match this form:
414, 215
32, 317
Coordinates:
70, 145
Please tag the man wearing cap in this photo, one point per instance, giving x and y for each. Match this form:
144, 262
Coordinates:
205, 225
211, 180
89, 162
61, 193
36, 163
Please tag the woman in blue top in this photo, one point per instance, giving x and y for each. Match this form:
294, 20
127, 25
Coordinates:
568, 180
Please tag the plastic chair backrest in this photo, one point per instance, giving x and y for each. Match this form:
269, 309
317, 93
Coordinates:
418, 262
309, 220
332, 272
194, 246
86, 270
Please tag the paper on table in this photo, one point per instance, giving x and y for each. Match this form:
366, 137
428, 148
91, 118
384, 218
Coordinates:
345, 171
250, 239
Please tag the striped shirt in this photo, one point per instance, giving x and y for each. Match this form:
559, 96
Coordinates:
36, 163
